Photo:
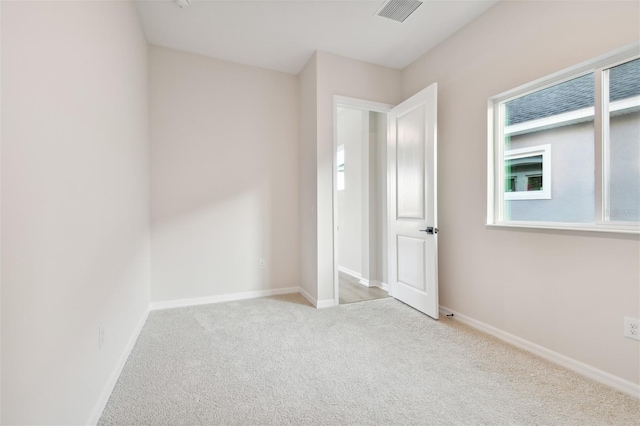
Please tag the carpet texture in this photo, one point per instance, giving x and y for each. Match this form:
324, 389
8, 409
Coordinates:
279, 361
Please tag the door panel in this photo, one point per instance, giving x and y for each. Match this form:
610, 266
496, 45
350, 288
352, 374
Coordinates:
413, 273
411, 255
410, 163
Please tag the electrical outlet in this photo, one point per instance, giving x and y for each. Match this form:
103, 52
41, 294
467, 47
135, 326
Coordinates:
262, 264
100, 337
632, 328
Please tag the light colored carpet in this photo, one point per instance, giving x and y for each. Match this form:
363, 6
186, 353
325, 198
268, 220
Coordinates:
280, 361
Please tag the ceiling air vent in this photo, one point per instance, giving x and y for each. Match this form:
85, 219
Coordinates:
398, 10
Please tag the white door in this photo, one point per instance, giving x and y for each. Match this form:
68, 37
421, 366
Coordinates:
413, 221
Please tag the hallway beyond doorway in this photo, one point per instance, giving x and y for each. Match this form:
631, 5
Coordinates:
351, 292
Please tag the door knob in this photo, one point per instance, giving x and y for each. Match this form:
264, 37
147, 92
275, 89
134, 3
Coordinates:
430, 230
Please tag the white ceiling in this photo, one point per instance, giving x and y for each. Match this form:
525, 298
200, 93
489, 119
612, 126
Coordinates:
282, 35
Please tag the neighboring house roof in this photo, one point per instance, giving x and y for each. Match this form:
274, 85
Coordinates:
574, 94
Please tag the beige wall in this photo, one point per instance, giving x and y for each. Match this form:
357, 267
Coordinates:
241, 169
341, 76
325, 76
75, 218
224, 177
567, 291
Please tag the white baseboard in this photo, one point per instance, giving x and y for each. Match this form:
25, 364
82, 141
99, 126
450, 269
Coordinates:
180, 303
319, 304
365, 282
353, 274
379, 284
579, 367
309, 297
326, 303
115, 374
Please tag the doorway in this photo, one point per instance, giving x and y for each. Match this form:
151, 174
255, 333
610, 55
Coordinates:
360, 201
385, 233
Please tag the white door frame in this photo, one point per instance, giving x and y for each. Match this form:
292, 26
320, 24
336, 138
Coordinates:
343, 101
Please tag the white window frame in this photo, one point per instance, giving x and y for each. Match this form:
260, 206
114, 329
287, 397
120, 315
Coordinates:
600, 113
545, 193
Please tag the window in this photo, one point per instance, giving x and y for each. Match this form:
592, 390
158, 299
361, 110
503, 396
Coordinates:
534, 183
340, 168
589, 116
528, 172
621, 120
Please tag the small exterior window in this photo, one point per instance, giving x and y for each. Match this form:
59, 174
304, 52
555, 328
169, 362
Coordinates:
528, 173
589, 116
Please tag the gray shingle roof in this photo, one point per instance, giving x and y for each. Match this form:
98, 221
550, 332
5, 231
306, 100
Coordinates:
624, 81
573, 94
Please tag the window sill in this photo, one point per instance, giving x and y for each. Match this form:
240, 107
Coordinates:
616, 229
